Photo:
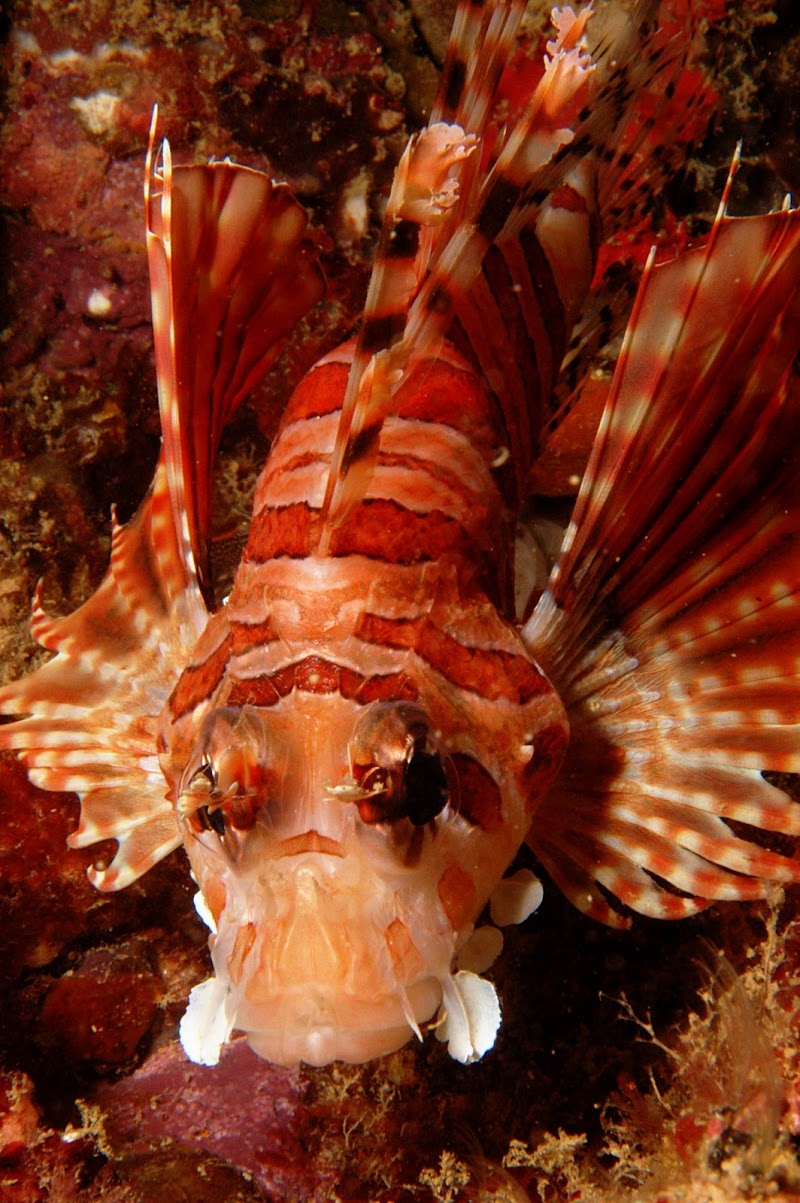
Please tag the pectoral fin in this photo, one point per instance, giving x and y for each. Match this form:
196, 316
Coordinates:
671, 624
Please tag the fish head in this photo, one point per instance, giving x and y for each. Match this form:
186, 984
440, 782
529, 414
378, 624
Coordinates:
344, 852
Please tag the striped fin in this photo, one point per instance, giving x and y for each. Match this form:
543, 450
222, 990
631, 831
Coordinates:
674, 102
510, 263
671, 624
424, 189
480, 45
232, 271
403, 325
668, 117
516, 320
645, 106
88, 717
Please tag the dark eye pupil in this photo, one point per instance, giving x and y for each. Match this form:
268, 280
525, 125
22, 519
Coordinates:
211, 820
217, 820
426, 789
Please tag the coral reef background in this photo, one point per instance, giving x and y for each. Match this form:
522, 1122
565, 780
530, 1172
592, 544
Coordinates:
655, 1065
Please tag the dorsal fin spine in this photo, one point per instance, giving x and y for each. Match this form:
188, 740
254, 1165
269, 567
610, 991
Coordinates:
159, 250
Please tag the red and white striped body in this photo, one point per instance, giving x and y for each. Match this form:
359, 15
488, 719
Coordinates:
338, 919
355, 744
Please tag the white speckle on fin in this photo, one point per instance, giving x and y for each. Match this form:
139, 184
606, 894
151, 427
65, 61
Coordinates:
515, 898
206, 1025
470, 1016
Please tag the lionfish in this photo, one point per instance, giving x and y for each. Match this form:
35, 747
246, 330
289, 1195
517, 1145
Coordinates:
355, 743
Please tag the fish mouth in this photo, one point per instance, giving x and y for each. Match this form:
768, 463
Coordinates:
317, 1027
309, 841
325, 969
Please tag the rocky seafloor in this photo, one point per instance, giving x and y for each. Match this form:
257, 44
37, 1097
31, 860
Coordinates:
655, 1065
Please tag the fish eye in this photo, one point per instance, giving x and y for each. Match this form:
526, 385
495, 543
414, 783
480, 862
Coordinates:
208, 808
222, 786
399, 772
426, 788
203, 786
211, 819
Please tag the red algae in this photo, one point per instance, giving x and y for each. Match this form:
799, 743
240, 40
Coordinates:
97, 1101
100, 1011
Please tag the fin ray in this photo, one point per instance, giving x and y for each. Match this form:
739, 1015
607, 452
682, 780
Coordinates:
87, 719
671, 623
231, 272
525, 195
402, 325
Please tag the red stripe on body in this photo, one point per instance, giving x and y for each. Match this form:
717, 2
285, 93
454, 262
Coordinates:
489, 672
384, 530
438, 392
378, 529
199, 681
280, 532
255, 691
389, 687
315, 674
435, 391
248, 635
479, 798
320, 392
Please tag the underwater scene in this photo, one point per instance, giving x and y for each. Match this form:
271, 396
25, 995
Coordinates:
400, 602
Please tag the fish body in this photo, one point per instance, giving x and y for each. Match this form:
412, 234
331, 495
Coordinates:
355, 743
388, 720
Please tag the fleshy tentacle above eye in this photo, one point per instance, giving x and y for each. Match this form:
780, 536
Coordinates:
228, 249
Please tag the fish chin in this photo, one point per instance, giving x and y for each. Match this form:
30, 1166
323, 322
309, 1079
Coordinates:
321, 1026
323, 965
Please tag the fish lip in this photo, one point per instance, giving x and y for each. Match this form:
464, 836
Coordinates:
315, 1025
309, 841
